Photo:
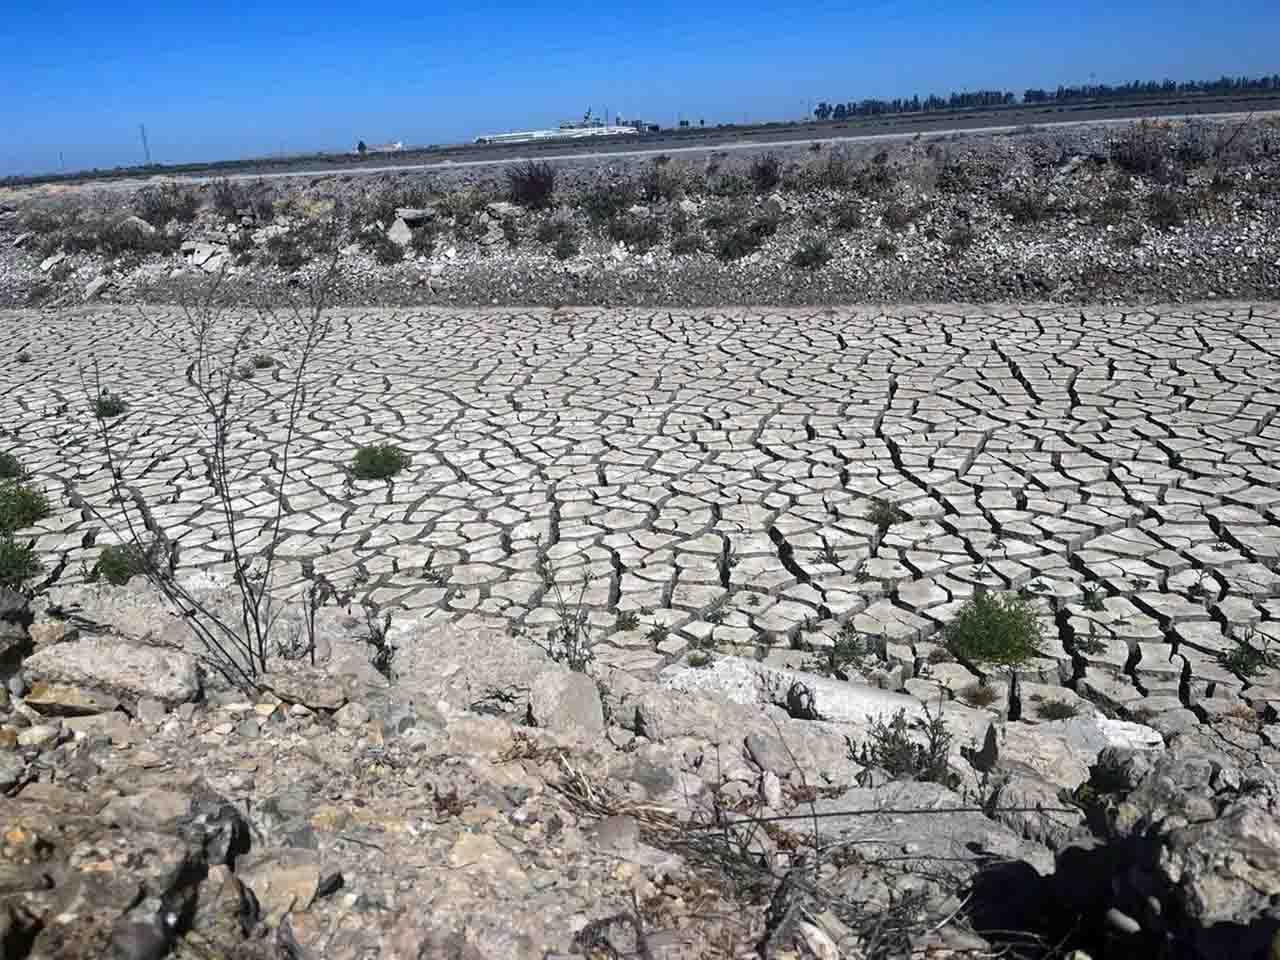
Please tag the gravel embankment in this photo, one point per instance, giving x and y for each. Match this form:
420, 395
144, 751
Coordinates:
1167, 212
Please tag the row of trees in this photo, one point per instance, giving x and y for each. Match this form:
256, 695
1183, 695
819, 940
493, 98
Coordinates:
1064, 94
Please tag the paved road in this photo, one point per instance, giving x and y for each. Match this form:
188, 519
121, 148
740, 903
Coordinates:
721, 471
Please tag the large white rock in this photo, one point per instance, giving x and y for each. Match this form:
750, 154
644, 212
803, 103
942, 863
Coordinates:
119, 668
400, 233
748, 682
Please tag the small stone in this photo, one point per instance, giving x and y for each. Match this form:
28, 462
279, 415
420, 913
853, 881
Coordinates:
1122, 922
352, 717
771, 789
399, 233
39, 735
248, 728
151, 711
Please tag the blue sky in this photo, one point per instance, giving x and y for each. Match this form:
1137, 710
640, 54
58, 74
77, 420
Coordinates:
213, 80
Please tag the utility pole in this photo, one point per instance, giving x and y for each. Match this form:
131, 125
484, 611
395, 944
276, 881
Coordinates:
146, 150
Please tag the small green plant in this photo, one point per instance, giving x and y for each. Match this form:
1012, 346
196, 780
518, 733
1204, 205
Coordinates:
21, 505
848, 649
998, 629
884, 515
1248, 657
245, 371
1141, 150
24, 356
828, 555
159, 205
738, 243
813, 252
1026, 208
1167, 209
658, 634
566, 247
379, 461
1057, 710
286, 251
885, 248
1092, 596
10, 467
848, 217
700, 658
263, 361
606, 200
532, 185
119, 563
423, 241
627, 620
432, 575
638, 234
109, 405
1091, 645
898, 216
511, 231
18, 562
979, 694
684, 244
766, 173
385, 250
892, 748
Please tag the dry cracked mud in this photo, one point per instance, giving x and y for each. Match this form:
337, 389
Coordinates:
716, 472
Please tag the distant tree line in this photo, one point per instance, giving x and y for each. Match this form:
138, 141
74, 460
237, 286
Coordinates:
1064, 94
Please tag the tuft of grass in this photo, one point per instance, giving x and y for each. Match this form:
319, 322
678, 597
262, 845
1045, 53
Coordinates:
286, 250
898, 216
738, 243
1141, 150
813, 253
605, 201
385, 250
109, 405
24, 356
979, 694
891, 748
21, 505
627, 620
511, 231
1026, 208
18, 562
848, 217
638, 234
10, 467
1092, 596
766, 173
263, 361
532, 185
884, 514
167, 202
997, 629
885, 248
687, 243
700, 658
566, 247
119, 563
1166, 209
379, 461
658, 634
423, 241
1057, 710
1249, 658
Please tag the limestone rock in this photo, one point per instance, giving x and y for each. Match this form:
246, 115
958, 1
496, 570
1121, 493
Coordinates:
400, 233
117, 668
568, 702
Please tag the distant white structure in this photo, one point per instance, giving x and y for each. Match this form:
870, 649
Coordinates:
568, 130
381, 147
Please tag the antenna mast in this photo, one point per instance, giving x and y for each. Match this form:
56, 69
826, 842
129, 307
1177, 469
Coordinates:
146, 150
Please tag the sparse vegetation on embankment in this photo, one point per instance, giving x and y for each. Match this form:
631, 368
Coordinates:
1156, 210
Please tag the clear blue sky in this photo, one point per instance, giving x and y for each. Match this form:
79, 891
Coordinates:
215, 80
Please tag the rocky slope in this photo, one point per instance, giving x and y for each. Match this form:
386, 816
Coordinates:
475, 799
1162, 212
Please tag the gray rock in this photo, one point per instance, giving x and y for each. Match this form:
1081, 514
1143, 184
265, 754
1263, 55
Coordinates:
134, 228
21, 239
39, 735
567, 702
353, 716
400, 233
746, 682
96, 286
500, 209
151, 711
119, 668
12, 768
51, 261
415, 216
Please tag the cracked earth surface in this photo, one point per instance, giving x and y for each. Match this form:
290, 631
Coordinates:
716, 472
